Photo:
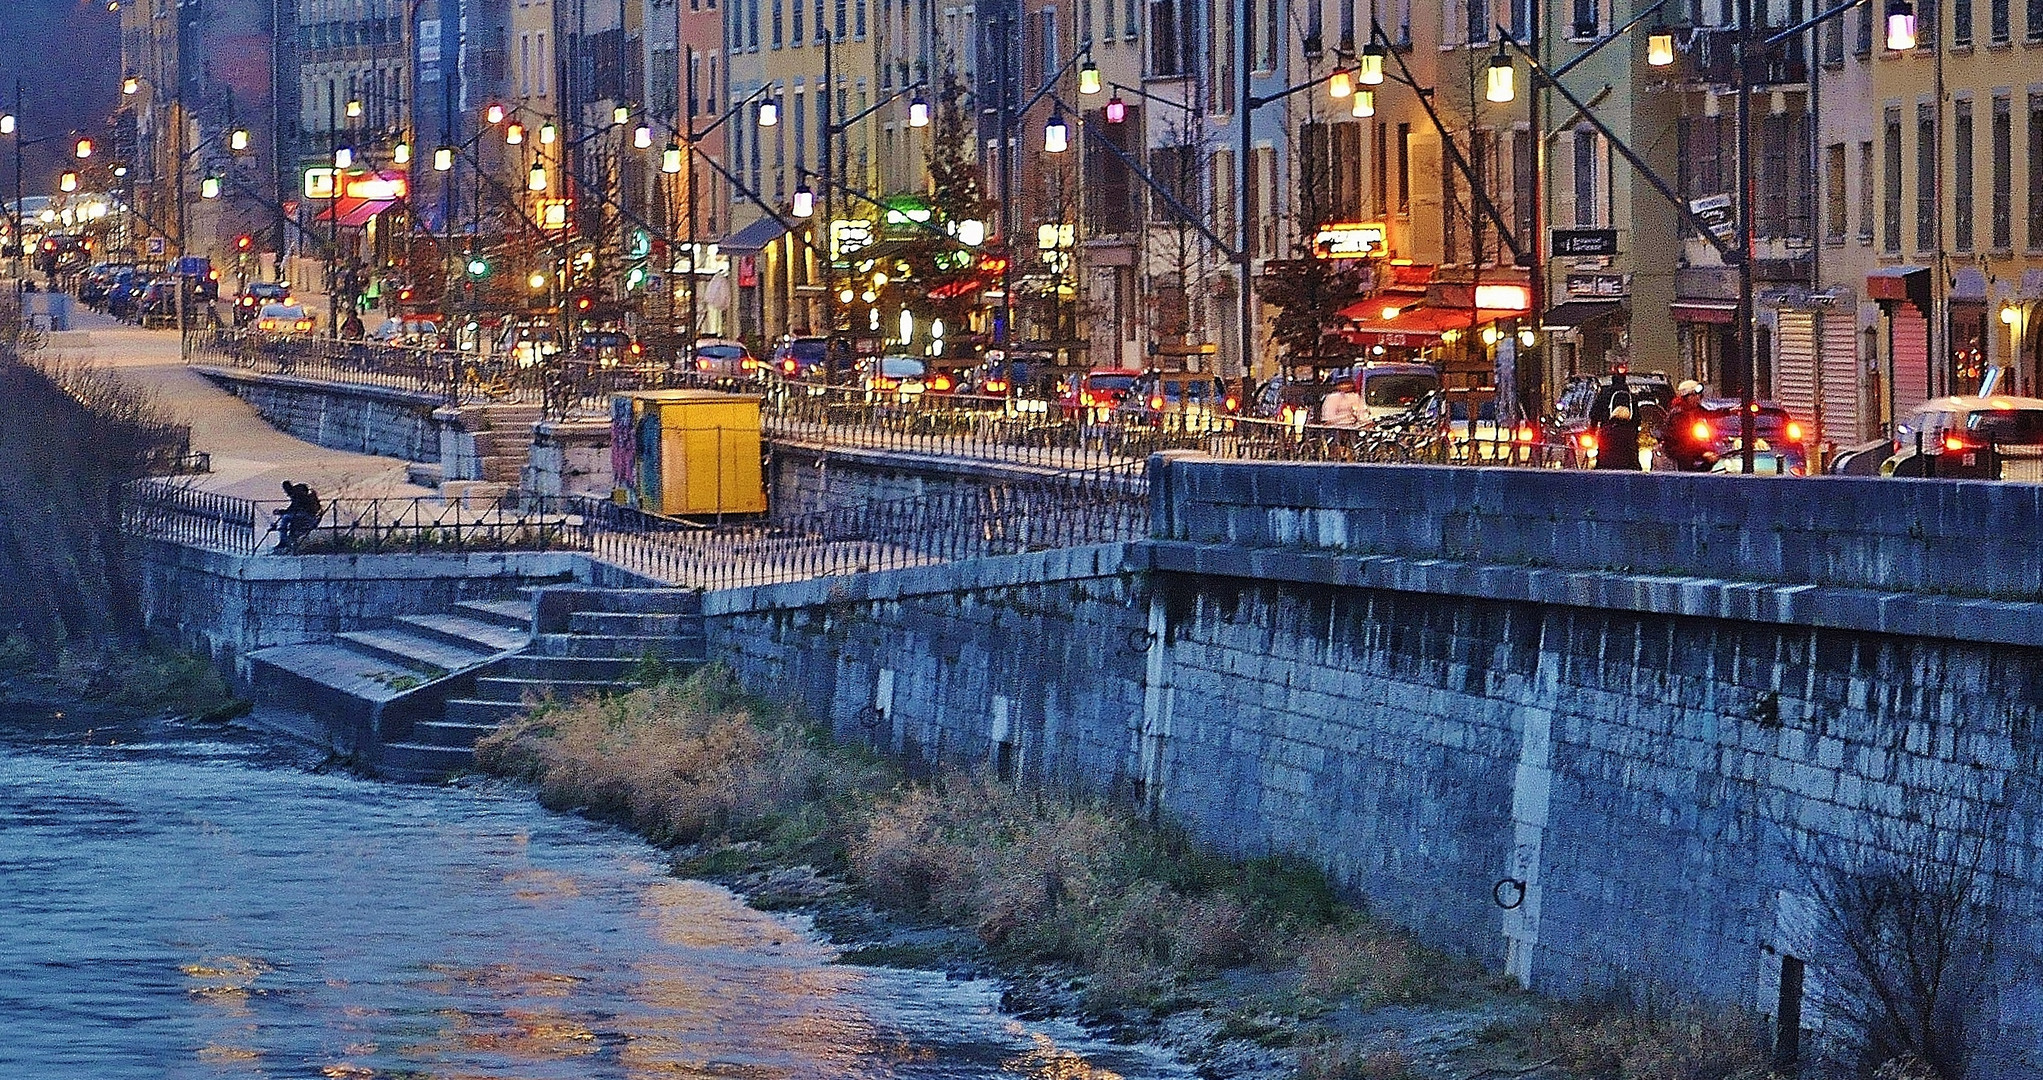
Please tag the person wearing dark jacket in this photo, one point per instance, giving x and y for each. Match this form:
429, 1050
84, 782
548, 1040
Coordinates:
1687, 437
1615, 416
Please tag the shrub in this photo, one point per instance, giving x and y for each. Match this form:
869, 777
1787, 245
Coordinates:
1619, 1039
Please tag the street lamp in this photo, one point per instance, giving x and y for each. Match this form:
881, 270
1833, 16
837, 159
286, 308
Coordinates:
670, 158
1117, 110
1363, 104
1901, 35
1660, 48
769, 113
536, 180
209, 188
344, 157
1369, 66
1089, 78
918, 112
1342, 84
68, 181
443, 159
1056, 135
804, 201
84, 149
1500, 87
238, 140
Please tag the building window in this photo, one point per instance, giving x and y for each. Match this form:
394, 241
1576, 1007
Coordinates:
1266, 51
1047, 34
1961, 24
1862, 38
1584, 25
1836, 220
1522, 183
1998, 26
1890, 183
1865, 193
1585, 176
779, 15
1404, 169
2003, 174
1380, 179
1478, 21
1131, 23
1221, 93
801, 135
795, 35
1961, 175
1450, 207
2035, 170
1833, 43
1925, 178
1163, 38
2035, 21
1926, 15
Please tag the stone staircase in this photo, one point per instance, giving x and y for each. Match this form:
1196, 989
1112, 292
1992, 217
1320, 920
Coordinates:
503, 442
418, 715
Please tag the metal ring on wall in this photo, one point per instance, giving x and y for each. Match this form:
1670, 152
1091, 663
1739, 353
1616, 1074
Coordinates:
1511, 887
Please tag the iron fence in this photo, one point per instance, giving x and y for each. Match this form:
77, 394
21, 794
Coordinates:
169, 511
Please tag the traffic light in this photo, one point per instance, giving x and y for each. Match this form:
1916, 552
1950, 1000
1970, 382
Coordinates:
244, 242
478, 267
584, 301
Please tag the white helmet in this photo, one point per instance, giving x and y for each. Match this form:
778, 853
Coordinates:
1687, 387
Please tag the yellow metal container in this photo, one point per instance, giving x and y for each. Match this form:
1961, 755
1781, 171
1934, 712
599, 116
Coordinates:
687, 453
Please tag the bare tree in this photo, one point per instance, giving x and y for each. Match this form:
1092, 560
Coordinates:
1904, 944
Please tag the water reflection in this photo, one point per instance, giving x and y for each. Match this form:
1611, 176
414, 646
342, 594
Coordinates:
199, 905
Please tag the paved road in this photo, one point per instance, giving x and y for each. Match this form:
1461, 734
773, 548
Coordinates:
250, 458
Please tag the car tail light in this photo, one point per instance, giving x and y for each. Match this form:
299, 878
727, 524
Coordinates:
1156, 402
637, 349
996, 386
788, 365
1794, 432
1527, 433
1701, 432
748, 364
940, 384
881, 382
1959, 442
1233, 403
1587, 440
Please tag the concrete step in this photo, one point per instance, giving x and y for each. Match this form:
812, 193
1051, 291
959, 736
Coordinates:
622, 646
502, 470
450, 733
569, 598
571, 668
344, 669
480, 712
513, 691
424, 656
633, 624
501, 416
463, 632
419, 761
513, 614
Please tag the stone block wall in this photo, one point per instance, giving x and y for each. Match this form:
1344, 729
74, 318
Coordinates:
1960, 538
363, 419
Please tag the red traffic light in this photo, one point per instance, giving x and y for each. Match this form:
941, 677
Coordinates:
584, 302
244, 242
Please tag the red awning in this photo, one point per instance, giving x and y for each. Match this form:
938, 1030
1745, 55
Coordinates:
354, 213
1717, 312
1412, 324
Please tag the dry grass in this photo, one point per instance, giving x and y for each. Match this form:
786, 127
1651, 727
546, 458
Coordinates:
1656, 1041
1042, 876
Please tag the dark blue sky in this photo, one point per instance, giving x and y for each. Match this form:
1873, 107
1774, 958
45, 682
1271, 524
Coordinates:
67, 55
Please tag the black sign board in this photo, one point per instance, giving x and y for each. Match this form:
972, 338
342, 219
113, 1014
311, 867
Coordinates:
1583, 242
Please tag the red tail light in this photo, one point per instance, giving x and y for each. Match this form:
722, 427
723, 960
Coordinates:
1233, 403
1959, 442
1701, 432
881, 382
996, 386
1794, 432
1526, 433
940, 384
1156, 402
788, 365
1587, 440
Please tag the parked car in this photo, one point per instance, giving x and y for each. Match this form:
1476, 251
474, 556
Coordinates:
1102, 386
1972, 438
1177, 402
283, 319
254, 295
730, 359
425, 330
1715, 440
894, 377
811, 359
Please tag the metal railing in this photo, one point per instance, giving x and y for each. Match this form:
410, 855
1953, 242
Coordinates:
1034, 433
1003, 519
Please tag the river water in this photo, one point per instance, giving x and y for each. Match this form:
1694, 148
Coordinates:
199, 902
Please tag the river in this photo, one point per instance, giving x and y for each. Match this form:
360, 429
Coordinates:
200, 902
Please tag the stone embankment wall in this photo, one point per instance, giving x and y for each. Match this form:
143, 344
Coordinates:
1599, 730
363, 419
229, 605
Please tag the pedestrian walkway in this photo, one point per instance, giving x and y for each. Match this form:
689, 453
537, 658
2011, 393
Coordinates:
250, 458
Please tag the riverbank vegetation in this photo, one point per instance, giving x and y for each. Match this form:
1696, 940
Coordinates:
1258, 966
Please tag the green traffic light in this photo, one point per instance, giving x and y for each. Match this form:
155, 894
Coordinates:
478, 266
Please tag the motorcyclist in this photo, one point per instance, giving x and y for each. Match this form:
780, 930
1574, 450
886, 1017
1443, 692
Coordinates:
1688, 436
